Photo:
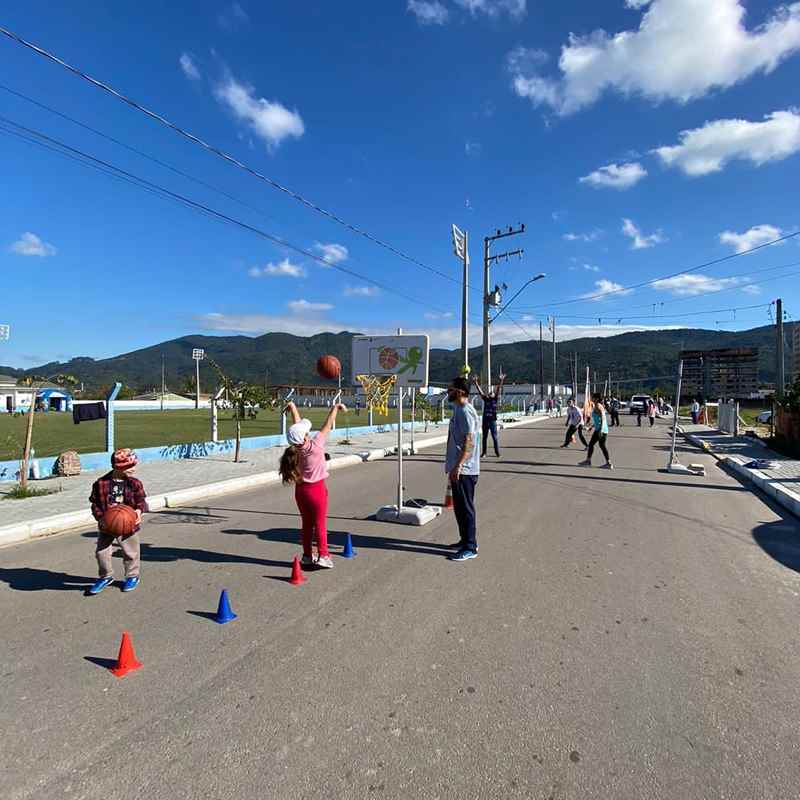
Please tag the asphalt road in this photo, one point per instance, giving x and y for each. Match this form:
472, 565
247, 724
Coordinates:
625, 634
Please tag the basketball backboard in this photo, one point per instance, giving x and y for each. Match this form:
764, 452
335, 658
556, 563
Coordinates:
405, 356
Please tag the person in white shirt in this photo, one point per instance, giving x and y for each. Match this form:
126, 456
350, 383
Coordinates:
574, 424
695, 411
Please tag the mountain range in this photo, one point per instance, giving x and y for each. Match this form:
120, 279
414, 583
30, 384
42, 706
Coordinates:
643, 359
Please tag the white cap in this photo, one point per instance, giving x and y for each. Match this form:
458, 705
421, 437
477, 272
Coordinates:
297, 433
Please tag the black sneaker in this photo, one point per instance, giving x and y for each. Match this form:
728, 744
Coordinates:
458, 546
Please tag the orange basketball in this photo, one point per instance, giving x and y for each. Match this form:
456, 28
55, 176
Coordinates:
329, 367
120, 520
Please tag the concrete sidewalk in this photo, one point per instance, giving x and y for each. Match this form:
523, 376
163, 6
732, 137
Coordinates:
752, 460
174, 483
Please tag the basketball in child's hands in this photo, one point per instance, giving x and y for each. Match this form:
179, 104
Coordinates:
120, 520
329, 367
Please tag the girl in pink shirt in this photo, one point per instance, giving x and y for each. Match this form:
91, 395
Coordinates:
303, 464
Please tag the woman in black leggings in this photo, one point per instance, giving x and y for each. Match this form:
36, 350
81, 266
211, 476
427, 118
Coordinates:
600, 423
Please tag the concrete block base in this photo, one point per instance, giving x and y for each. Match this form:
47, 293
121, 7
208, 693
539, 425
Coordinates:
408, 515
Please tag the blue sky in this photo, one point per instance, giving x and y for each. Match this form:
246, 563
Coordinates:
634, 139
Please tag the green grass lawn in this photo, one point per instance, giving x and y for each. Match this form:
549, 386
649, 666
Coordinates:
53, 433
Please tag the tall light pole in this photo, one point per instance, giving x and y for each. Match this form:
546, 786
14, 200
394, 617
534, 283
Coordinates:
551, 323
461, 250
198, 354
493, 298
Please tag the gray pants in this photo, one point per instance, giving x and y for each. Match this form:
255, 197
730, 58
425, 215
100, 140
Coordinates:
130, 554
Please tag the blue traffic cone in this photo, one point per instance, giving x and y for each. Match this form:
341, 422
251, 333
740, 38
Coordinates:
224, 612
348, 548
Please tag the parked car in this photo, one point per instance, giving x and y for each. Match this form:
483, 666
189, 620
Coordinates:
764, 418
638, 402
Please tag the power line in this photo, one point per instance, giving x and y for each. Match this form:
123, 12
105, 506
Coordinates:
739, 287
221, 153
625, 289
41, 139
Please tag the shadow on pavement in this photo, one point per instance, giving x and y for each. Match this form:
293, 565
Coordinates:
780, 540
337, 539
151, 552
105, 663
168, 517
28, 579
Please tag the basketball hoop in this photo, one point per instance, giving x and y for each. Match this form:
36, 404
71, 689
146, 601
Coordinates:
377, 390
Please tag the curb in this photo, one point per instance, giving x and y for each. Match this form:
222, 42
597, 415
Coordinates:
785, 497
63, 523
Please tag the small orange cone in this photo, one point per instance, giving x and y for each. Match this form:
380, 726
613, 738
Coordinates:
297, 574
448, 495
126, 660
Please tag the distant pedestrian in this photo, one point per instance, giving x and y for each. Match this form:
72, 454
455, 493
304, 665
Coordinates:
695, 411
599, 436
463, 466
614, 409
574, 424
303, 463
489, 416
118, 487
639, 413
651, 413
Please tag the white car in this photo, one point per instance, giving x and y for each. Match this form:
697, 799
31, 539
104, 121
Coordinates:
764, 418
639, 402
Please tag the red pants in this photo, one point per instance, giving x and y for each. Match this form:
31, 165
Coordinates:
312, 500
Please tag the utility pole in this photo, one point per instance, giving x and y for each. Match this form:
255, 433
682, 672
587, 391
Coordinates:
493, 298
461, 250
552, 324
780, 379
541, 363
163, 381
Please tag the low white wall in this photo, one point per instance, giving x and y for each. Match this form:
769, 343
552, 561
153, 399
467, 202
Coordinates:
149, 405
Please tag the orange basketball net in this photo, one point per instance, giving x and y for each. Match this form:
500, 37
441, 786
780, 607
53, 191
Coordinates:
377, 391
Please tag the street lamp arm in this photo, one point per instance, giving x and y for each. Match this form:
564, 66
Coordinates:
524, 286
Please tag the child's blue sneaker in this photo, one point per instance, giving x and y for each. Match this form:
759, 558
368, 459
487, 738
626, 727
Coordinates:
464, 555
130, 584
100, 584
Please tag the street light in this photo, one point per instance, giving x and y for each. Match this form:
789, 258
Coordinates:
524, 286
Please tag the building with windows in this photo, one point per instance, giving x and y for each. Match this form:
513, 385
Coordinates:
15, 398
728, 373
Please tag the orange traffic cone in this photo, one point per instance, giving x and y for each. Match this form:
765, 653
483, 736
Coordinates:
297, 574
126, 660
448, 496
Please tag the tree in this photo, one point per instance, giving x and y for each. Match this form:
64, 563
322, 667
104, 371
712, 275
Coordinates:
243, 399
36, 382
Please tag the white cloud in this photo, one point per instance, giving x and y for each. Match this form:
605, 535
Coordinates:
640, 240
605, 287
708, 149
283, 268
472, 148
189, 68
361, 291
615, 176
428, 12
750, 289
591, 236
682, 50
591, 268
29, 244
269, 120
689, 285
438, 315
332, 253
305, 307
494, 8
233, 17
757, 235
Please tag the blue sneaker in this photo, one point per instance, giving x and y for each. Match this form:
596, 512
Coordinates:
100, 584
130, 584
464, 555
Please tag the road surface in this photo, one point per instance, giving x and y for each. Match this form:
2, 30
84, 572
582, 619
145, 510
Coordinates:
625, 634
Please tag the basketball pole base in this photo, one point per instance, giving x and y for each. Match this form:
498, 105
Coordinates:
408, 515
